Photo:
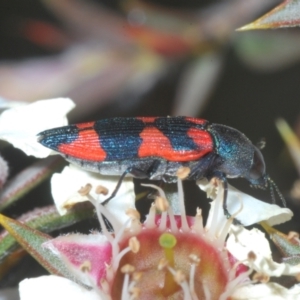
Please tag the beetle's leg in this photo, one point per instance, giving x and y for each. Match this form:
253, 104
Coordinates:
135, 172
210, 161
144, 174
113, 194
225, 188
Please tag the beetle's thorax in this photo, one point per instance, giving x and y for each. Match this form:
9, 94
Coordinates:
234, 148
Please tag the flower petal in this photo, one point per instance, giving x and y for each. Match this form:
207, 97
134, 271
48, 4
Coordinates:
86, 256
6, 104
65, 187
242, 241
254, 210
266, 291
53, 287
20, 125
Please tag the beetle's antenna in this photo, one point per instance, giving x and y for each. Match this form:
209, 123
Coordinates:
272, 187
272, 194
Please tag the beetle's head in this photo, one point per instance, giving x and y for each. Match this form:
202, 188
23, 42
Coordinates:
259, 179
257, 172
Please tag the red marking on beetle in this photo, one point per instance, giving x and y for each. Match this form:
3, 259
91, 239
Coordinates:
87, 145
147, 119
155, 143
202, 139
196, 121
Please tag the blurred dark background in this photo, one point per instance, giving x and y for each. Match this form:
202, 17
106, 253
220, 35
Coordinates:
157, 58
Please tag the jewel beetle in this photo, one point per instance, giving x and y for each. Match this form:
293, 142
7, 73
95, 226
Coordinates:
156, 147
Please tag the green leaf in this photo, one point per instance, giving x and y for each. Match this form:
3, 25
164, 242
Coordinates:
28, 179
46, 219
287, 14
32, 240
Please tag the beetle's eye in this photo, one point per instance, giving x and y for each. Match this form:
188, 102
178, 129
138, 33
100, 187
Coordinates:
258, 167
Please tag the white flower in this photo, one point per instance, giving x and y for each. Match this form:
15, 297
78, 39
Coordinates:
249, 209
99, 257
54, 287
21, 124
166, 255
266, 291
75, 185
242, 241
65, 191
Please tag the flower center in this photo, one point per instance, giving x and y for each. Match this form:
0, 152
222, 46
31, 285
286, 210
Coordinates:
169, 257
173, 266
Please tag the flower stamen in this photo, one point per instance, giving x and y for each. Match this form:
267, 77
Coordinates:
105, 286
135, 291
135, 226
100, 209
261, 277
118, 236
101, 190
133, 213
213, 223
223, 232
198, 224
127, 270
173, 225
184, 224
180, 279
236, 282
206, 291
162, 205
109, 273
163, 263
195, 260
150, 220
85, 190
133, 246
